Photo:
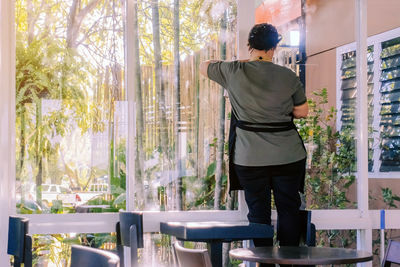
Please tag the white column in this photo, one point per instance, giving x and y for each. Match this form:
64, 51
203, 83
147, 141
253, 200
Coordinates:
246, 10
129, 76
364, 236
7, 118
246, 18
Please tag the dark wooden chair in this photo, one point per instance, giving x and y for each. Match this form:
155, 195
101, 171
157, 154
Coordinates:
19, 242
191, 257
129, 234
392, 254
308, 231
92, 257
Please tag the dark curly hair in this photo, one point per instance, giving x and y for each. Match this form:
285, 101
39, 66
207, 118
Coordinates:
263, 36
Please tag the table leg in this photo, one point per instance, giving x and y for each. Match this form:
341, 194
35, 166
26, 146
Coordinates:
215, 248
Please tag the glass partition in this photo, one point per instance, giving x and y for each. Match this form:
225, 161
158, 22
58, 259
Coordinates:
305, 48
182, 118
55, 249
384, 182
72, 115
71, 109
330, 131
72, 112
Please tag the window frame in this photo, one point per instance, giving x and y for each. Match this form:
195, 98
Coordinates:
375, 41
105, 222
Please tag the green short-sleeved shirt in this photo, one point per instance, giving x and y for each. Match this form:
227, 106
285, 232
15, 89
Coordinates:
262, 92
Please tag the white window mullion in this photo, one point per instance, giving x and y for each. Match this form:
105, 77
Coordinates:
129, 84
376, 41
246, 10
7, 125
377, 108
364, 237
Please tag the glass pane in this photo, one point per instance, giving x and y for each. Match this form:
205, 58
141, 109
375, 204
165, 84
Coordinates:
390, 106
349, 92
331, 86
71, 108
55, 250
182, 118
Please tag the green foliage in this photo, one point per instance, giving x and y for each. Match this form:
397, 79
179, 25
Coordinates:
389, 198
330, 156
330, 165
204, 193
56, 248
211, 169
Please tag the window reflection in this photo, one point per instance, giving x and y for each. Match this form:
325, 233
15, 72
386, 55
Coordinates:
181, 117
71, 110
390, 107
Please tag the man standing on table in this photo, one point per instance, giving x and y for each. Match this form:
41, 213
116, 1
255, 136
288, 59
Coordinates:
265, 150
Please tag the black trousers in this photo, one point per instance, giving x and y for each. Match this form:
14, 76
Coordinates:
284, 181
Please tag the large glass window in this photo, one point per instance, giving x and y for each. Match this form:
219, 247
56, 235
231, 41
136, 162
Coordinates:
382, 102
71, 109
72, 113
348, 97
182, 118
390, 107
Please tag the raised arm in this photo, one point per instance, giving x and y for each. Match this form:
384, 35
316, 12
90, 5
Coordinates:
218, 71
204, 67
300, 111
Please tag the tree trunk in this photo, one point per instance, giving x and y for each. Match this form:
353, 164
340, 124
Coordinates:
221, 124
31, 19
159, 86
31, 28
116, 96
140, 156
39, 153
197, 101
177, 120
22, 151
75, 19
158, 75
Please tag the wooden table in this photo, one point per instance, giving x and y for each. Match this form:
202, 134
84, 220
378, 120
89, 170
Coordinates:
300, 255
215, 233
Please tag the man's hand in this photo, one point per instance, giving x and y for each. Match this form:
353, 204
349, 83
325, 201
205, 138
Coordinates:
300, 111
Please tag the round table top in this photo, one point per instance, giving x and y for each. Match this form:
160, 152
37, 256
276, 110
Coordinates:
301, 255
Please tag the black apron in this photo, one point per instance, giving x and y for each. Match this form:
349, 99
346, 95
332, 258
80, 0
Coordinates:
249, 126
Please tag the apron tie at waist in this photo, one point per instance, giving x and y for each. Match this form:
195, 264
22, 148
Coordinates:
254, 127
266, 127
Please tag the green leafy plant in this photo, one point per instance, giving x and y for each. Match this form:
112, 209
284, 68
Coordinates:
331, 156
330, 165
389, 198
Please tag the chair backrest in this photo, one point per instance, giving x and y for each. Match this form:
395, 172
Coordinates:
191, 257
92, 257
392, 254
308, 231
126, 220
19, 242
130, 234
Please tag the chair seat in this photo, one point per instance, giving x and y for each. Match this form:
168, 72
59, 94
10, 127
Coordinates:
392, 254
92, 257
191, 257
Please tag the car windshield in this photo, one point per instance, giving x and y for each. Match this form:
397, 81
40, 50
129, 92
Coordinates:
64, 190
45, 187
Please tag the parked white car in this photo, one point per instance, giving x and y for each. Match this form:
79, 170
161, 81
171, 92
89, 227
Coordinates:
93, 191
51, 192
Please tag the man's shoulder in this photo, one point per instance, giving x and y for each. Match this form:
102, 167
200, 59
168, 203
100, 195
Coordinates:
284, 70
